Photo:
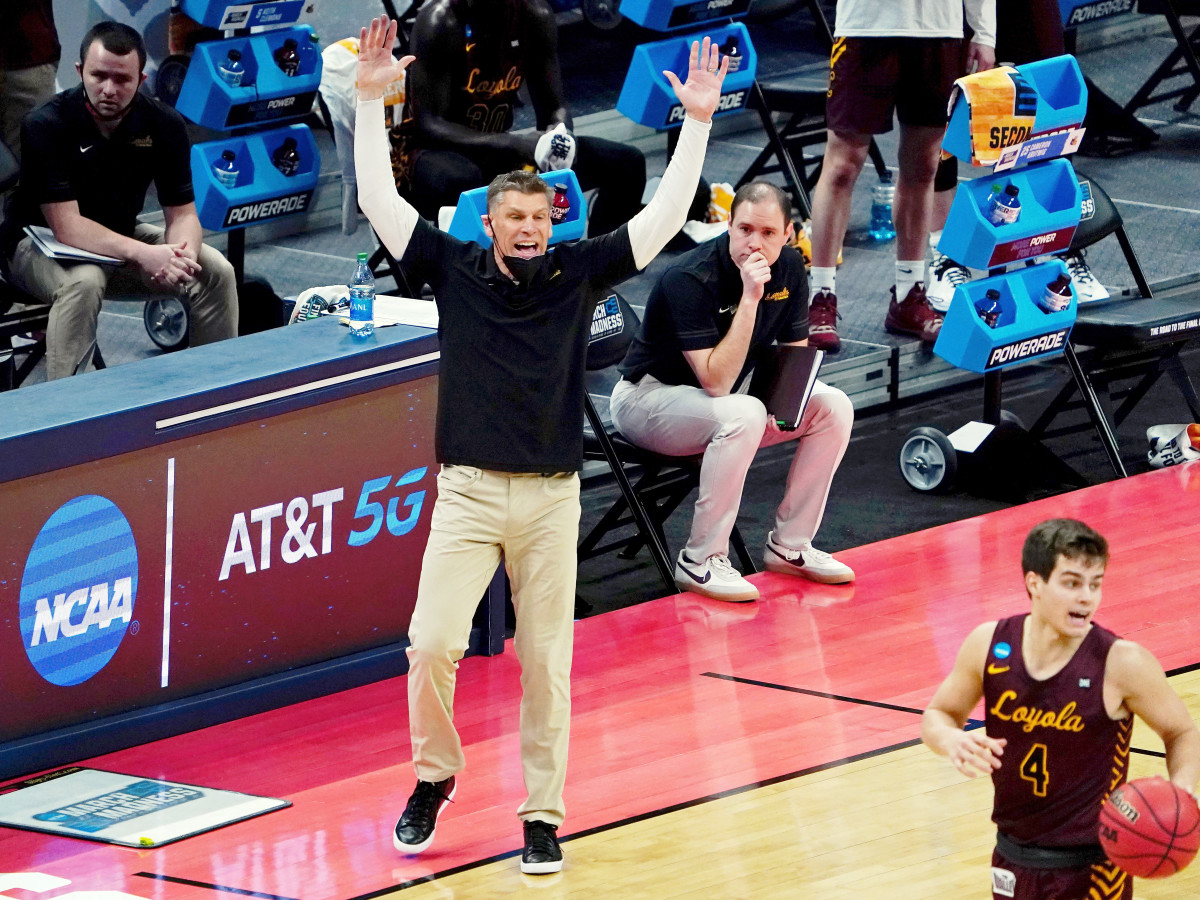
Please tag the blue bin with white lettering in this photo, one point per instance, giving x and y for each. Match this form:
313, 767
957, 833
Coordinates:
1050, 207
668, 15
262, 192
1023, 331
1060, 97
234, 14
266, 94
467, 224
648, 98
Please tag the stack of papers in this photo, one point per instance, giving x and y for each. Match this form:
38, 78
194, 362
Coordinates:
400, 311
44, 238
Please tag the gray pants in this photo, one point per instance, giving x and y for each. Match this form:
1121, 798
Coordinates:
75, 290
681, 420
22, 90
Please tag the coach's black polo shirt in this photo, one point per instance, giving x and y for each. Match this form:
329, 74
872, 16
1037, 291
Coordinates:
64, 157
692, 307
510, 392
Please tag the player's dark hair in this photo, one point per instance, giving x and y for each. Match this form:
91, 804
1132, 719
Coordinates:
116, 38
760, 192
1053, 538
521, 181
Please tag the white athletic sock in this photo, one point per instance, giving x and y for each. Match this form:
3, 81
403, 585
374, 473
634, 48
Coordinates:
908, 273
823, 278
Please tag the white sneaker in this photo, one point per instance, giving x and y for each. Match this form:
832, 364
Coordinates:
715, 578
808, 562
944, 276
1171, 445
1087, 287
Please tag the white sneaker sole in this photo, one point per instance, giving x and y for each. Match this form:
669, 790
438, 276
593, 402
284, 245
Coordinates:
414, 849
745, 596
543, 868
785, 568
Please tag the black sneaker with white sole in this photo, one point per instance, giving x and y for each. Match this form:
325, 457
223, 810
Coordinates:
414, 831
542, 855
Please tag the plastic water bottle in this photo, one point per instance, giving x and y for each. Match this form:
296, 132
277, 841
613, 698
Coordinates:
988, 308
1004, 208
231, 70
362, 300
731, 50
226, 169
286, 157
1057, 295
560, 208
287, 58
882, 195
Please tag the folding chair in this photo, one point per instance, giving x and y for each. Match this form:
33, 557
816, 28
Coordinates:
652, 485
1135, 339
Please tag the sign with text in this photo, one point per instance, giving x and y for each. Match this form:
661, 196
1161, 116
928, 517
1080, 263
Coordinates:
214, 560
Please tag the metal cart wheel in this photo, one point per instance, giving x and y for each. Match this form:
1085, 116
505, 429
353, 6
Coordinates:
167, 322
928, 461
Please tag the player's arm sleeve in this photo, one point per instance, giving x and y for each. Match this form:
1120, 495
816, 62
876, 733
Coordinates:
666, 212
981, 16
390, 215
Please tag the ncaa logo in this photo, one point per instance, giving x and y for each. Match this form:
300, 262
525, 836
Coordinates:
78, 590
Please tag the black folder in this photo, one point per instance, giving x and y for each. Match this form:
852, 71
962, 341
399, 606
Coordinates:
784, 381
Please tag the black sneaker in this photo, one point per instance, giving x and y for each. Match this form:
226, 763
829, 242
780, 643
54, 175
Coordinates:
414, 831
542, 854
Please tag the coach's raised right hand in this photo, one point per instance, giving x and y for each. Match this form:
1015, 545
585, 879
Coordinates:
377, 68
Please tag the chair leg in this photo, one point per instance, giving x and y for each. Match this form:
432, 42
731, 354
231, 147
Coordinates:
644, 524
1132, 261
743, 555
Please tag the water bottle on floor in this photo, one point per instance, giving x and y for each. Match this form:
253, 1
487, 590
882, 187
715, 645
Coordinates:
362, 300
882, 196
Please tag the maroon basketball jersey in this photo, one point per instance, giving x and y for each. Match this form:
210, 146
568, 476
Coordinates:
1064, 754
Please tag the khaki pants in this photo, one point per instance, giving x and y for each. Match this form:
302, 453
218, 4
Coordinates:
533, 522
23, 90
75, 290
681, 420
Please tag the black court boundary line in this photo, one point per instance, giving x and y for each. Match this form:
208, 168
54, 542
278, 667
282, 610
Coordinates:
214, 887
653, 814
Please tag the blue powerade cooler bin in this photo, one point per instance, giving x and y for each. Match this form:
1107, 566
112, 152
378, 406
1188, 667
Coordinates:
266, 93
467, 224
262, 192
648, 98
668, 15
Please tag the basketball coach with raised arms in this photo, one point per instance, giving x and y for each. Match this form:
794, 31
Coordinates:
514, 326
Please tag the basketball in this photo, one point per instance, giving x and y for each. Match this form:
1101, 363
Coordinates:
1150, 828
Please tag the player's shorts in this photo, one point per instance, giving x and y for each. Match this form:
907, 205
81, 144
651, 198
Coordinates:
872, 78
1102, 879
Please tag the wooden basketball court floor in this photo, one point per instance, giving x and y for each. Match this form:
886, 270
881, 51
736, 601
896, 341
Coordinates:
717, 751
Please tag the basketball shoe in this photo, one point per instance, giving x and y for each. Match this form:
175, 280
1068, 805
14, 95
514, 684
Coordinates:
807, 562
945, 276
822, 322
1087, 287
414, 831
913, 315
715, 578
542, 855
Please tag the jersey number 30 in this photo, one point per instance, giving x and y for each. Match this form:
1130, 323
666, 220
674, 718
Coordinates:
1033, 769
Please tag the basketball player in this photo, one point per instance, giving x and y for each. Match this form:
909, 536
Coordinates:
1060, 693
472, 58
